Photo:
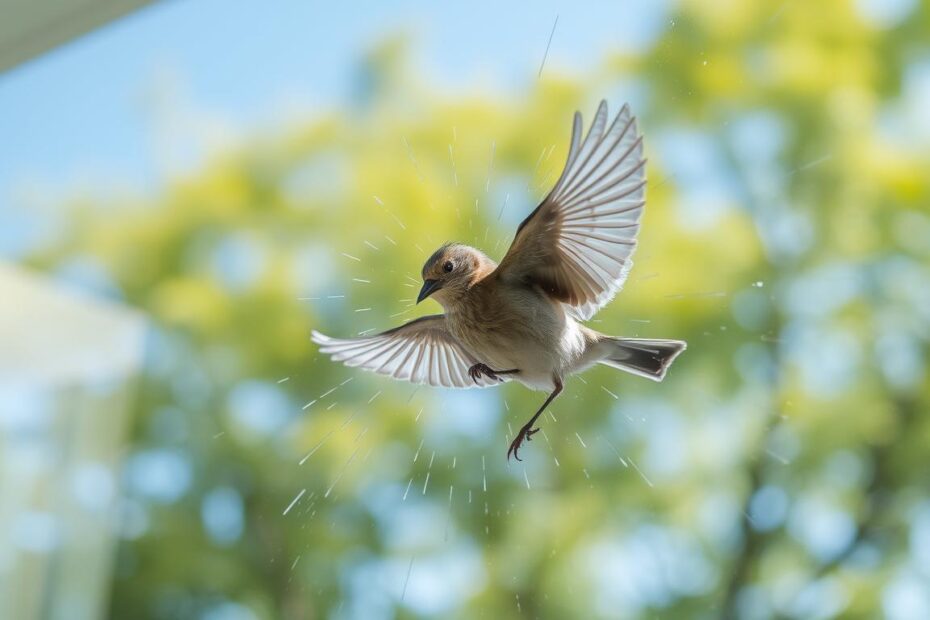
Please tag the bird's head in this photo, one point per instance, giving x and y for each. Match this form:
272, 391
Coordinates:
451, 271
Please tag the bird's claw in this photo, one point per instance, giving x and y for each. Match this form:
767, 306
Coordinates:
477, 370
525, 433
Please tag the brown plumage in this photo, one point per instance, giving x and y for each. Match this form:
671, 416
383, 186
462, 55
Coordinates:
521, 319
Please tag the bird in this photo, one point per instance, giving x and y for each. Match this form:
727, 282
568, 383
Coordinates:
523, 319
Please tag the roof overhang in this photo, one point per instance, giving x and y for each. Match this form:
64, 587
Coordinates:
29, 28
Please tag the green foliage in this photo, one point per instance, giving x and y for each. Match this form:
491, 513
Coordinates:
801, 289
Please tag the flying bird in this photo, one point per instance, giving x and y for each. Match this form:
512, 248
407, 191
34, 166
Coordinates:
522, 319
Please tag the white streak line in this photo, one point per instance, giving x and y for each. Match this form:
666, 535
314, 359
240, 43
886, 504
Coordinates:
639, 470
293, 501
546, 55
344, 467
409, 568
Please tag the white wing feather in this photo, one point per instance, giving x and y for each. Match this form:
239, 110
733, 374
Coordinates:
578, 243
421, 351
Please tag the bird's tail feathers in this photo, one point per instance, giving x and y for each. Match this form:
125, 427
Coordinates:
641, 356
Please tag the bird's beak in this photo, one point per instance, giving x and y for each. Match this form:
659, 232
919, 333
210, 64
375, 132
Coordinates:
429, 287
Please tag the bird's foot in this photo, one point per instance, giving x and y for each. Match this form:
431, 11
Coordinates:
526, 433
477, 370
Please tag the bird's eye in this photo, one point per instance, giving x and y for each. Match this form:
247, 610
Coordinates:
448, 266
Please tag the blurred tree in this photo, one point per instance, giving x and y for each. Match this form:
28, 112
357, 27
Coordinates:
777, 472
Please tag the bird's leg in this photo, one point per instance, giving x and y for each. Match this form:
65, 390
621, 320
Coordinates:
477, 370
528, 431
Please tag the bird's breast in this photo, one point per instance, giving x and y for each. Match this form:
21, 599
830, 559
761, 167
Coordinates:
513, 328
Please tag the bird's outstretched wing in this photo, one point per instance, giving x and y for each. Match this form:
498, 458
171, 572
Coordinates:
577, 244
421, 351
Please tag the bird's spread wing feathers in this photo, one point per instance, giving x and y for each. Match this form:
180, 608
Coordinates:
578, 243
421, 351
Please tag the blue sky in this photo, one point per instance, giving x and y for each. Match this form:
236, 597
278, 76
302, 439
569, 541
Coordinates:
120, 107
150, 95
